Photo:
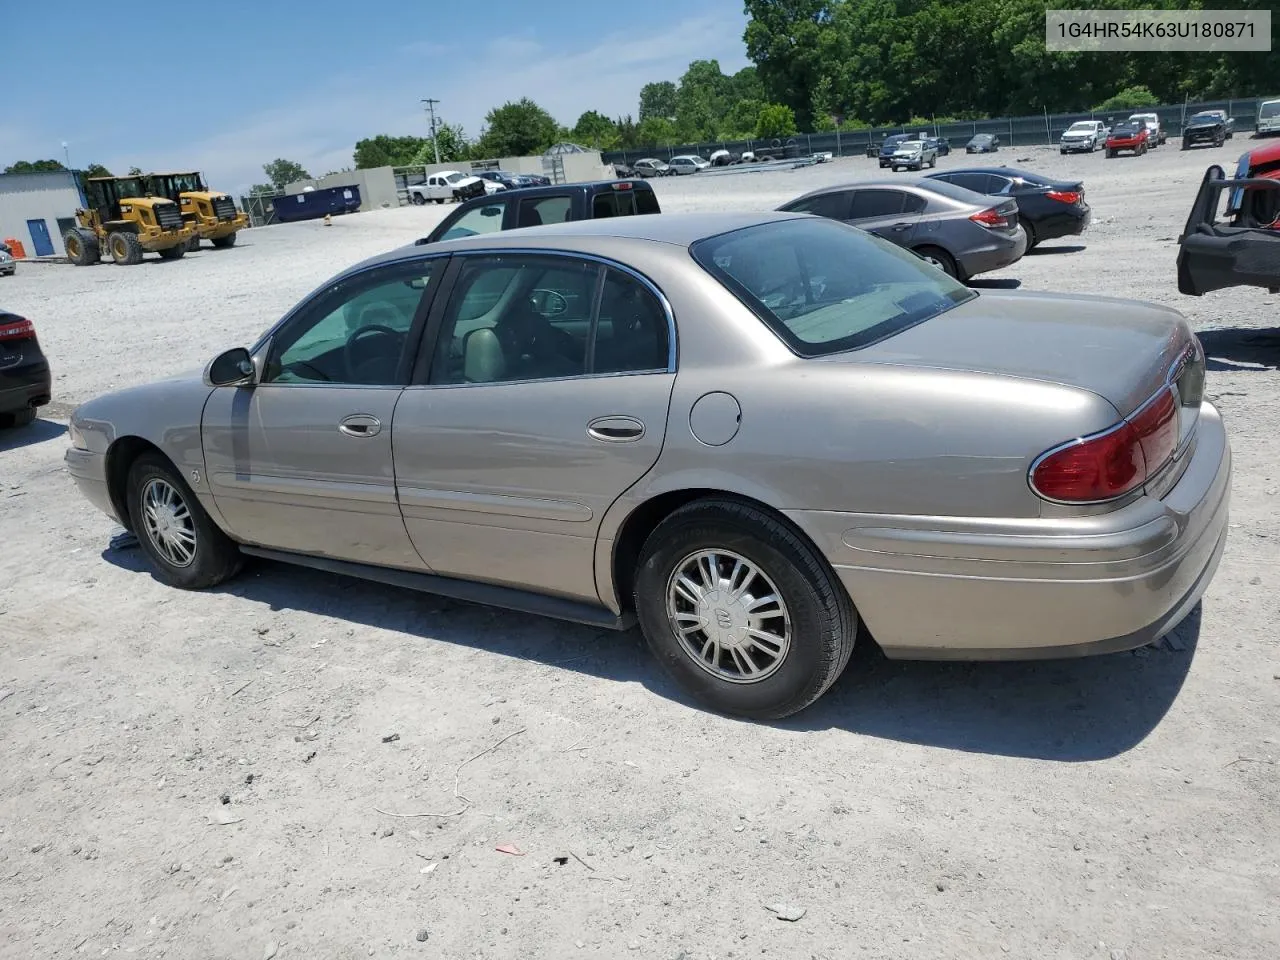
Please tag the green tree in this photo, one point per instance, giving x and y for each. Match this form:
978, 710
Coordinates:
267, 188
658, 100
137, 171
628, 132
775, 120
596, 130
453, 143
517, 129
1130, 98
740, 122
657, 132
388, 151
96, 170
35, 166
281, 172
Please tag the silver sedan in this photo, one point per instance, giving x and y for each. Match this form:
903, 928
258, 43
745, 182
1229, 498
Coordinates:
963, 232
748, 432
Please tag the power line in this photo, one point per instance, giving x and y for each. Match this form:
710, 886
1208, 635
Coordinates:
431, 109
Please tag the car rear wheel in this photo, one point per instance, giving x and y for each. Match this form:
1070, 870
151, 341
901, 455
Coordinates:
184, 545
741, 611
81, 246
1030, 229
419, 199
18, 418
124, 247
941, 259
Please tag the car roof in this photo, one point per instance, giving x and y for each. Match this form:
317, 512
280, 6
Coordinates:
935, 187
982, 136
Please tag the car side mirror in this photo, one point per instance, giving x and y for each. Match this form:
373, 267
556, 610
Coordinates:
233, 367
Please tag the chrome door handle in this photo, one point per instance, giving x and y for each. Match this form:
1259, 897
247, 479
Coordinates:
615, 429
360, 425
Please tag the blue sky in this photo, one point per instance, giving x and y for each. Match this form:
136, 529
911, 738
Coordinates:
309, 79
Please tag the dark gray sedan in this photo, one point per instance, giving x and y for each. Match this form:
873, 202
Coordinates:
963, 232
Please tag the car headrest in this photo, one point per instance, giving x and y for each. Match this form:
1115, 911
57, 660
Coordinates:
482, 359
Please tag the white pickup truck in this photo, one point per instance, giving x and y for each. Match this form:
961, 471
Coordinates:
447, 185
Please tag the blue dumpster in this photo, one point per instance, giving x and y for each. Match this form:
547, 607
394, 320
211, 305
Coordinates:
314, 204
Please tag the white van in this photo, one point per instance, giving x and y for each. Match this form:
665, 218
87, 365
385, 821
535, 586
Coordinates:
1269, 116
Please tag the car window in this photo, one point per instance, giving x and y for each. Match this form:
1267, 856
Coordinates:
536, 211
912, 203
631, 333
646, 201
513, 318
835, 205
483, 219
977, 182
997, 183
825, 287
355, 332
875, 203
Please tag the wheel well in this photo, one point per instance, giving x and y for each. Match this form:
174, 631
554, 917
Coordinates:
120, 457
645, 519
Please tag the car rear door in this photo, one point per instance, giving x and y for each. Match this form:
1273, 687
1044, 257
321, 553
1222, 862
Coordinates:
544, 398
881, 210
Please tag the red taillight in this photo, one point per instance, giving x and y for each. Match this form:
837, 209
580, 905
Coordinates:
1111, 464
991, 218
622, 186
16, 329
1064, 196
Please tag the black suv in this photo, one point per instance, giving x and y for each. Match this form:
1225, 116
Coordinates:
534, 206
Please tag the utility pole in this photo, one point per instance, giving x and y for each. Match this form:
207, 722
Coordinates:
431, 109
66, 154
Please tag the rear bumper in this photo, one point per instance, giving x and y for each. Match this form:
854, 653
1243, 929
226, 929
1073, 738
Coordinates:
1070, 223
29, 386
995, 252
987, 589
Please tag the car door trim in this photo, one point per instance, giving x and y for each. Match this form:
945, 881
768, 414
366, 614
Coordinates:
257, 483
528, 507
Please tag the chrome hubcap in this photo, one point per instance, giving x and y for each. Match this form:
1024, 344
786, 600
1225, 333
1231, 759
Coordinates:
168, 523
729, 617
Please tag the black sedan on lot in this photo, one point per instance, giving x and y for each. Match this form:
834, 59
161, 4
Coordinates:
1207, 126
983, 143
24, 372
1047, 208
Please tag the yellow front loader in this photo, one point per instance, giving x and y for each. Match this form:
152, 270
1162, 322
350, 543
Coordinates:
213, 214
123, 221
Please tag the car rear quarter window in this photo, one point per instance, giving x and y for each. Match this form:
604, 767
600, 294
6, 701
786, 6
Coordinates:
834, 205
536, 211
646, 201
824, 287
868, 204
911, 203
483, 219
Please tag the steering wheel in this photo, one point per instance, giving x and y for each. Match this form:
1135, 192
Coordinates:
548, 303
349, 356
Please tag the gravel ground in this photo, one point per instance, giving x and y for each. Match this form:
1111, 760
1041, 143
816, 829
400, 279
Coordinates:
218, 775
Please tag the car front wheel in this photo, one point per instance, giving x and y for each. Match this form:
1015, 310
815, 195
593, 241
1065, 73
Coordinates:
741, 611
184, 545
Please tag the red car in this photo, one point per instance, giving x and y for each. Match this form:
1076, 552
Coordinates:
1129, 135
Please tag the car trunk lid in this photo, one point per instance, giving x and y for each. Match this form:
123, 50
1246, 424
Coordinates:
1121, 350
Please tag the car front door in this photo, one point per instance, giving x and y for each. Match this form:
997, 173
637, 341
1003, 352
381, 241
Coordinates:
545, 398
881, 211
301, 461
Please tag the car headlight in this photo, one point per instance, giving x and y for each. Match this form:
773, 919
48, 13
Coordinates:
76, 437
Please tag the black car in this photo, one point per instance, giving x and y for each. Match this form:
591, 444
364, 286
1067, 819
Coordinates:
890, 145
1047, 208
535, 206
983, 143
941, 144
25, 382
1208, 126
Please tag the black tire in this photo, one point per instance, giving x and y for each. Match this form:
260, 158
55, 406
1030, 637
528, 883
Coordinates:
1030, 229
215, 556
17, 418
440, 201
823, 625
943, 259
193, 244
1220, 141
1111, 154
1185, 144
124, 248
175, 252
419, 199
223, 242
1063, 151
81, 246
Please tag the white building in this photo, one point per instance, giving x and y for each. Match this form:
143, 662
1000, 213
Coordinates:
36, 209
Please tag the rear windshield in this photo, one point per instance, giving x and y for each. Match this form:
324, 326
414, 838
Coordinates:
1205, 116
1269, 109
826, 287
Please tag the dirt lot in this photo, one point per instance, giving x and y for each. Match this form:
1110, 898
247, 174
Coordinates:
210, 775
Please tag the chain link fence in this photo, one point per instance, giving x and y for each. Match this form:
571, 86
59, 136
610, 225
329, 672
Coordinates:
1036, 130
